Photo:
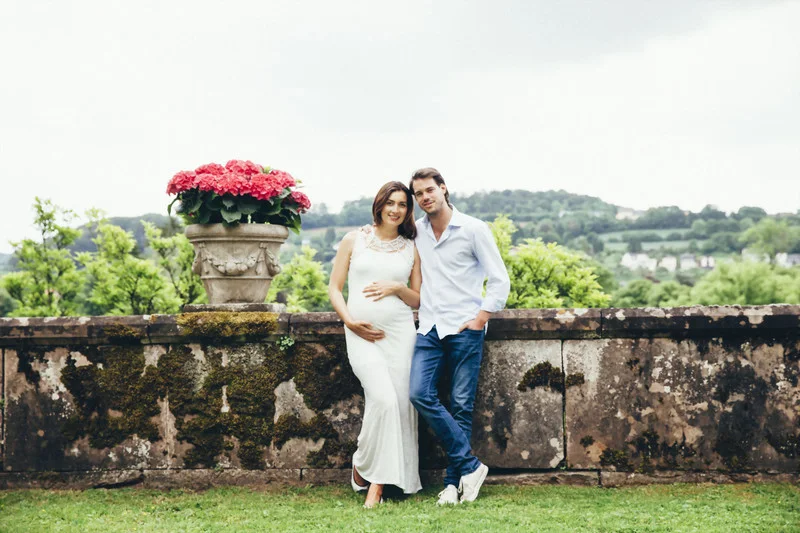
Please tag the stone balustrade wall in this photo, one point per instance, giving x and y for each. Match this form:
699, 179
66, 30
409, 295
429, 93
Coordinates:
589, 396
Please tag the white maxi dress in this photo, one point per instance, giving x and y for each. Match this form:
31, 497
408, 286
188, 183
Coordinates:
387, 444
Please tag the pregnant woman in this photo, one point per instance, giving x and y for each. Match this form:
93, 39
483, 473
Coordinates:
382, 269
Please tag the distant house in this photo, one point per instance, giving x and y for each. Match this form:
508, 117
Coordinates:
688, 262
636, 261
708, 261
787, 260
669, 262
749, 255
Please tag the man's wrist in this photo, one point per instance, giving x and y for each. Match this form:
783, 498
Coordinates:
483, 317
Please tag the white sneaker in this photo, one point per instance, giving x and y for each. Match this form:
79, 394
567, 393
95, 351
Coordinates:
449, 496
470, 484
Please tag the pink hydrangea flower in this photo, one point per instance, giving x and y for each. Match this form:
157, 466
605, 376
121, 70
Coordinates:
246, 168
207, 182
302, 201
230, 183
283, 178
212, 168
182, 181
262, 186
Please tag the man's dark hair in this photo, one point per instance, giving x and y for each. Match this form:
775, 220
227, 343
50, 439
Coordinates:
429, 172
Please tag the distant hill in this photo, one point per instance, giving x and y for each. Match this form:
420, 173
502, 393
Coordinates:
131, 224
521, 205
6, 263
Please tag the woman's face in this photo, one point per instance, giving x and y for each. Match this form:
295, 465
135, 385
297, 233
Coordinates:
394, 212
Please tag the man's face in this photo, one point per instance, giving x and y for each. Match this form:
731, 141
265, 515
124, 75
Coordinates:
429, 195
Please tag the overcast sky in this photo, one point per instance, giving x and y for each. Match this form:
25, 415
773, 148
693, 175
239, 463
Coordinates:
640, 103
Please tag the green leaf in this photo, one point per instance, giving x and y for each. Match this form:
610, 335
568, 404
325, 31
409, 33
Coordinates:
215, 202
190, 203
295, 225
203, 216
284, 193
249, 205
228, 201
271, 208
231, 216
169, 207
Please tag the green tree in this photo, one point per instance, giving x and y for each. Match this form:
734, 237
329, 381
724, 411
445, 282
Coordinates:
302, 284
747, 283
175, 257
546, 275
770, 236
637, 293
753, 213
669, 294
7, 303
635, 245
47, 280
118, 283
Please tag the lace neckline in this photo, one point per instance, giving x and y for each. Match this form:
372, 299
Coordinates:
373, 242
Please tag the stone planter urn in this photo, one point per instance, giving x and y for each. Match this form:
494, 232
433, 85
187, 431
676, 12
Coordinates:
236, 263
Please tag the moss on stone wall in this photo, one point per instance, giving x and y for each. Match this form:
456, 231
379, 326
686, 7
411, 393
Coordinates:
738, 427
323, 374
333, 454
576, 379
122, 334
113, 399
543, 375
619, 459
228, 324
290, 427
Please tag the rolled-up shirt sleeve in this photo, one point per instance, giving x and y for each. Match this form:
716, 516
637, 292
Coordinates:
498, 284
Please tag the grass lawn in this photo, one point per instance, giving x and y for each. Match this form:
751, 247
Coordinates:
702, 508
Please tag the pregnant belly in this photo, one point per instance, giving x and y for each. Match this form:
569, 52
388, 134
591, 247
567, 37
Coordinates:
386, 311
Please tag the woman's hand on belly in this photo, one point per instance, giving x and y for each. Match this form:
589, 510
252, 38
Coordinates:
381, 289
365, 330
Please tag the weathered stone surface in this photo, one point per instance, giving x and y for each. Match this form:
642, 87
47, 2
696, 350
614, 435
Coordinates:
73, 330
70, 480
586, 479
515, 428
695, 404
716, 389
622, 479
209, 478
326, 476
708, 321
545, 324
313, 326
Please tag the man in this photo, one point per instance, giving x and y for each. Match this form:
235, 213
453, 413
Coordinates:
457, 254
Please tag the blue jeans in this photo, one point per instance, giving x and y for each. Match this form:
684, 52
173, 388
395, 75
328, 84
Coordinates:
461, 354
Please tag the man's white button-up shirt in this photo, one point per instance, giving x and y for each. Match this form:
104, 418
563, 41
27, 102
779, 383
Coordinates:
453, 271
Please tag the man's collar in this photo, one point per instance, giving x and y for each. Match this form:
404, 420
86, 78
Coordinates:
457, 220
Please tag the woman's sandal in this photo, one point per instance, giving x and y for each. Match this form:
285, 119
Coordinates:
356, 486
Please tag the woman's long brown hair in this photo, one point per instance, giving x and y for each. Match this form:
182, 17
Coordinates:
407, 228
